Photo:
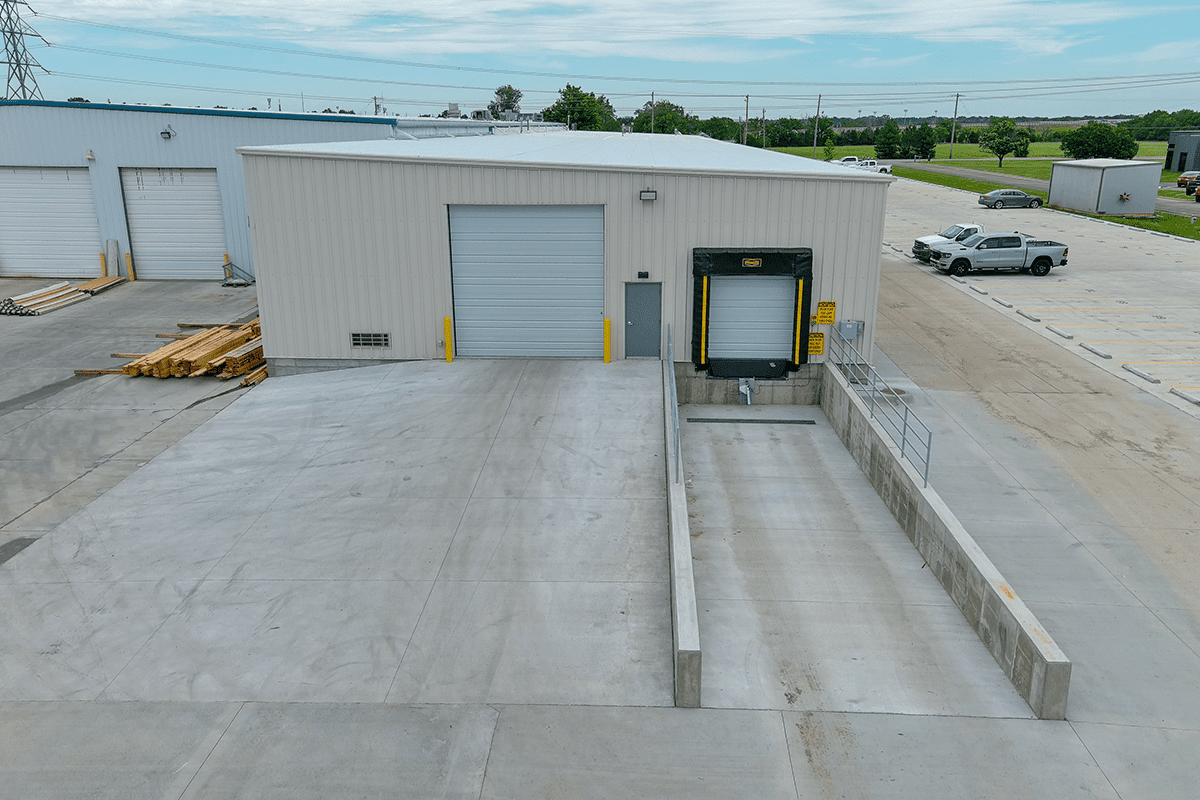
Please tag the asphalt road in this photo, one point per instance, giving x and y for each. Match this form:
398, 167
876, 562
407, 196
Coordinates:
1166, 205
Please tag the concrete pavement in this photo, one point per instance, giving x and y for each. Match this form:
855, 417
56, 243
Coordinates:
223, 622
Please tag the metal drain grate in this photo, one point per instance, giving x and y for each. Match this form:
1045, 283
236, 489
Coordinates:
756, 421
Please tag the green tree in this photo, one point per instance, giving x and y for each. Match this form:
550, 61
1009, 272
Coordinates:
507, 99
722, 128
887, 140
666, 117
829, 149
583, 110
1097, 140
1000, 138
918, 141
1024, 137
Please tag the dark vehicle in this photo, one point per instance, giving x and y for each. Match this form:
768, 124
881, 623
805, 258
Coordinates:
1002, 198
1184, 177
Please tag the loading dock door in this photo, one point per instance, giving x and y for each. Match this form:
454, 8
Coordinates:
750, 310
752, 316
176, 231
48, 226
528, 280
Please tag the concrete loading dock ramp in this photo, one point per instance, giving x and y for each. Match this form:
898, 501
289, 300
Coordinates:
810, 596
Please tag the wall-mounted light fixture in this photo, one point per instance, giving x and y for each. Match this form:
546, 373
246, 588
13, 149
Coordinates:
167, 132
649, 194
89, 156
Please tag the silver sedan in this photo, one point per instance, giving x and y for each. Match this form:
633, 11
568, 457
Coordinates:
1001, 198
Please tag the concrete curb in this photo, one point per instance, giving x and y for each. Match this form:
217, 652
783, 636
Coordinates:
1036, 666
685, 620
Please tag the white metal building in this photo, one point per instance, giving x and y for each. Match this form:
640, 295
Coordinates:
1105, 186
162, 184
527, 243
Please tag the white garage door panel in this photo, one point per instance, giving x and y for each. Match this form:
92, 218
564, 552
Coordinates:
751, 316
48, 226
528, 280
176, 230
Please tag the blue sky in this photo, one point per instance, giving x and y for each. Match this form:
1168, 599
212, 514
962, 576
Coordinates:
895, 57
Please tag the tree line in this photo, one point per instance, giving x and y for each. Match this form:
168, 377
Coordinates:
1002, 137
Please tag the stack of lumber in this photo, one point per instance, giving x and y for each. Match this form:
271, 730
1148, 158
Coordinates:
202, 353
52, 298
242, 360
98, 285
42, 301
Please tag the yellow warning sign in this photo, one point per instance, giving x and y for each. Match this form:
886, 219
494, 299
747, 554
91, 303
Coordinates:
816, 344
826, 312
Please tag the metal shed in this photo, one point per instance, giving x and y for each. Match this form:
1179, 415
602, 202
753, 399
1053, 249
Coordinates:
528, 243
163, 184
1105, 186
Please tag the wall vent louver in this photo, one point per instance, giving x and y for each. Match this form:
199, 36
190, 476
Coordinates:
370, 340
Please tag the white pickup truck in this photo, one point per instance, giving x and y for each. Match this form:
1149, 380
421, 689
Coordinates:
997, 251
871, 165
955, 233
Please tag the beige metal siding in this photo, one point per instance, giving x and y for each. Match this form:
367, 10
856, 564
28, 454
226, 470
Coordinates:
347, 245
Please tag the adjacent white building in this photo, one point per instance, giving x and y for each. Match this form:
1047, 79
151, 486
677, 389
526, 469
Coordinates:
156, 187
533, 244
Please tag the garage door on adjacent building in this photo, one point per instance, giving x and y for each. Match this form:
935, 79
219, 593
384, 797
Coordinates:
48, 226
176, 231
528, 280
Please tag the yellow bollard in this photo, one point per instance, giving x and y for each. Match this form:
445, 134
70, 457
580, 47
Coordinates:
103, 266
129, 267
607, 340
448, 324
228, 273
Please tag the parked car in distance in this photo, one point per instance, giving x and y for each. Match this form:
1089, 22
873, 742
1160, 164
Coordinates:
1005, 198
1000, 251
923, 247
1185, 176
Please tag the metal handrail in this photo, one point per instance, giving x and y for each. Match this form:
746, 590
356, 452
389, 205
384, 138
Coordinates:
887, 407
674, 401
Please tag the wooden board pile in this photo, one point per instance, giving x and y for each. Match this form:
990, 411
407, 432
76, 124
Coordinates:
226, 351
52, 298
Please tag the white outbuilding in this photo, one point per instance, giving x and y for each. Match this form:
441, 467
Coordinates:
561, 244
1105, 186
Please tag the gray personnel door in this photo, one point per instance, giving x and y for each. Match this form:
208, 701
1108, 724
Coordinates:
643, 320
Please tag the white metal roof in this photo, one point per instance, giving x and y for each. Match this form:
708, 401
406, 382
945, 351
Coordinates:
602, 150
1103, 163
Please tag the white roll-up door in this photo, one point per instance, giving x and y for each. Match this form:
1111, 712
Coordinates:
176, 231
751, 316
528, 280
48, 226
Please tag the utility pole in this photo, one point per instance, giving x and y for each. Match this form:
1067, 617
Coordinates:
953, 126
746, 124
652, 109
816, 125
764, 129
22, 85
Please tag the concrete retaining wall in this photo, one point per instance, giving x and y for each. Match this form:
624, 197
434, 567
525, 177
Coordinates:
801, 388
1021, 646
685, 620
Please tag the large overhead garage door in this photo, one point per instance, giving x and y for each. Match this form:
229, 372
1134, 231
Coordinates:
176, 231
48, 225
528, 280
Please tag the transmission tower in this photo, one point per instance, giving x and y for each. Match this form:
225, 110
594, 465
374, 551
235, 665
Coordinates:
22, 84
